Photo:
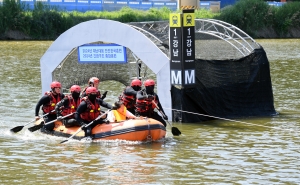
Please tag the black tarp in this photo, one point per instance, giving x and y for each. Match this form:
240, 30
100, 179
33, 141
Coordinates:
227, 89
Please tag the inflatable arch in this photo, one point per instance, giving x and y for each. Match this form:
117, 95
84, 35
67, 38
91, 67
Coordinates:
110, 32
219, 47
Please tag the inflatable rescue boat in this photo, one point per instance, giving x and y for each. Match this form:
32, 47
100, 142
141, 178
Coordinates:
146, 129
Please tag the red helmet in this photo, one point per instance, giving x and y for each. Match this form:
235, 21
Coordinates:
90, 90
75, 88
136, 82
94, 80
149, 82
55, 84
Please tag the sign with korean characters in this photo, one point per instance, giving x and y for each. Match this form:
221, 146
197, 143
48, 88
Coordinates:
188, 48
102, 53
175, 36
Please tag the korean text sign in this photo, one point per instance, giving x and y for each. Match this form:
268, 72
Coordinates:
102, 53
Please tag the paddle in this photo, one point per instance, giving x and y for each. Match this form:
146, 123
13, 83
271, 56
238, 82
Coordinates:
100, 116
37, 127
19, 128
175, 130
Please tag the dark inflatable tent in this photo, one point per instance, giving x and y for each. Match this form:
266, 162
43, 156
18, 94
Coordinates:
226, 88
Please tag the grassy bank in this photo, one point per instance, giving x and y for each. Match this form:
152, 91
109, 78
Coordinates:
258, 19
254, 17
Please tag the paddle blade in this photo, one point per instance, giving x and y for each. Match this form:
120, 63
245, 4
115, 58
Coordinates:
64, 141
175, 131
17, 129
35, 127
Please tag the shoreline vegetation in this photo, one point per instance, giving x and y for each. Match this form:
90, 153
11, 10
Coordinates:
255, 17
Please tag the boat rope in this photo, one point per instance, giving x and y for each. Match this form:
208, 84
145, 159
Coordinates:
149, 137
252, 124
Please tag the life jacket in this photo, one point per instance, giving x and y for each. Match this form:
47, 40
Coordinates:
71, 108
83, 94
47, 108
92, 111
145, 105
128, 100
120, 116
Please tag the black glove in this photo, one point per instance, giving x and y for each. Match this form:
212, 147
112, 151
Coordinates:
107, 121
58, 114
150, 97
82, 124
165, 117
59, 118
104, 95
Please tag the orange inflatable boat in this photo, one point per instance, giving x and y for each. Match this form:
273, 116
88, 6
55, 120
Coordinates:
146, 129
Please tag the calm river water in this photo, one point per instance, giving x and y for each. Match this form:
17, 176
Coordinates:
258, 151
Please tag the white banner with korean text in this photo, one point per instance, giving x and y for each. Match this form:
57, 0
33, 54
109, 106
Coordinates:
102, 53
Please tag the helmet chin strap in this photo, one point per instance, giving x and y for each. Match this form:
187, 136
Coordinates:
53, 91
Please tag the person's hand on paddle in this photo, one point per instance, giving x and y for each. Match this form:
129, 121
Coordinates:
150, 97
165, 117
37, 118
82, 124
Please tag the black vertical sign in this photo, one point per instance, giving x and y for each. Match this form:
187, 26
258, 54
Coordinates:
175, 44
188, 49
